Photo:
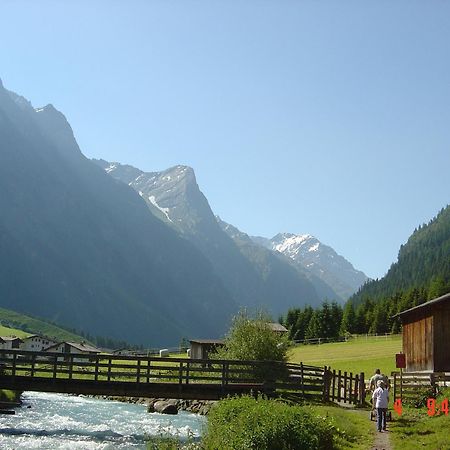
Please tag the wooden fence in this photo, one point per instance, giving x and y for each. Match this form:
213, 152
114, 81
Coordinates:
344, 387
145, 376
410, 384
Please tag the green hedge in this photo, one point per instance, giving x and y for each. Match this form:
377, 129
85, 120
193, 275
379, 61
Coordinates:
9, 396
245, 423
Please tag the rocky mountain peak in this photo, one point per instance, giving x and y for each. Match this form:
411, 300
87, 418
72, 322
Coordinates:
290, 244
308, 252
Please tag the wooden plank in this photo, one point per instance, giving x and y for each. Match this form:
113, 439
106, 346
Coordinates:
33, 363
138, 371
345, 386
55, 366
71, 367
339, 386
333, 388
188, 368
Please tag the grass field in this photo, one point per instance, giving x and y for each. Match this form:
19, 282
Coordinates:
21, 321
6, 331
356, 355
353, 430
413, 429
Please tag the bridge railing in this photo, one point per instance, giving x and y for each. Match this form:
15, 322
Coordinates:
272, 375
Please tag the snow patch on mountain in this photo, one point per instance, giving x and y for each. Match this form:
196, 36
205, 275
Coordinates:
308, 252
165, 211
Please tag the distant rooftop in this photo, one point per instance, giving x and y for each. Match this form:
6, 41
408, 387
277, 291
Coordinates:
207, 341
275, 326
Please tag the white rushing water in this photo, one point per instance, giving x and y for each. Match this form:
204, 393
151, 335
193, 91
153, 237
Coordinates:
55, 421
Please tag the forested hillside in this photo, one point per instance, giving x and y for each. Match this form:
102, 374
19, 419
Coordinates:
423, 263
421, 273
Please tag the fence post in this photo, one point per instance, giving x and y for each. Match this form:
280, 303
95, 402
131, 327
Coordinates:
433, 383
395, 386
13, 372
96, 368
70, 367
180, 374
302, 379
326, 385
55, 368
109, 369
138, 371
345, 387
362, 389
33, 362
187, 371
339, 386
333, 387
148, 371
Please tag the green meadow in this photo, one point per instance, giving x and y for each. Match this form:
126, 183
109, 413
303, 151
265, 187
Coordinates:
7, 331
357, 355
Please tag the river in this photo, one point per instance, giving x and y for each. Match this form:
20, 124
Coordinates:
55, 421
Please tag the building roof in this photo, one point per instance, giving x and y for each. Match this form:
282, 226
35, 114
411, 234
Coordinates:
10, 338
40, 336
207, 341
424, 306
83, 347
275, 326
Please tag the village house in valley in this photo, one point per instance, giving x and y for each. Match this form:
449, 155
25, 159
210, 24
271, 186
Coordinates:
73, 348
37, 343
202, 348
10, 342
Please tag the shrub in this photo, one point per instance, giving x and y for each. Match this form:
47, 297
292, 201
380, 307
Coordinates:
420, 397
250, 339
246, 423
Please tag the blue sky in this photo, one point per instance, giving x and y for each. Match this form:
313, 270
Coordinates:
323, 117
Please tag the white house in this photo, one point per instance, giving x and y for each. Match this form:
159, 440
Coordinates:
10, 342
37, 343
73, 348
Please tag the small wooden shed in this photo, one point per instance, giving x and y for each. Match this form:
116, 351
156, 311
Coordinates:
202, 348
277, 328
426, 336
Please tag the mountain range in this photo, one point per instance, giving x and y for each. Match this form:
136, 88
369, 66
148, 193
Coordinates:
81, 249
256, 270
309, 253
119, 252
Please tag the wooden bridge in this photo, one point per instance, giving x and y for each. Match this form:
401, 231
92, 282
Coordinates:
182, 378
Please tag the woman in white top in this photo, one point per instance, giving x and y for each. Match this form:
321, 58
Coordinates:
380, 398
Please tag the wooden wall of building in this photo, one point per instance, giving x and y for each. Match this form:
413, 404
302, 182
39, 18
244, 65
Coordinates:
418, 342
442, 338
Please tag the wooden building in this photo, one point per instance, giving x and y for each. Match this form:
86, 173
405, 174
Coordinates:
277, 328
426, 336
202, 348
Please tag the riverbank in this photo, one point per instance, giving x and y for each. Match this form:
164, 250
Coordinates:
200, 407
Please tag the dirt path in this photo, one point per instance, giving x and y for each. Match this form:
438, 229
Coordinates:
381, 441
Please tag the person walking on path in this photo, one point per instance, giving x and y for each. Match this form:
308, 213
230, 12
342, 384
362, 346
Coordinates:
376, 377
380, 399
